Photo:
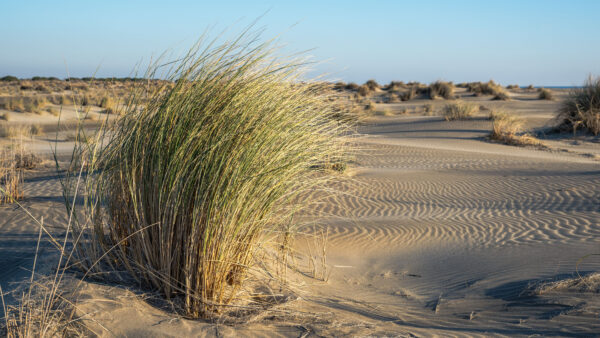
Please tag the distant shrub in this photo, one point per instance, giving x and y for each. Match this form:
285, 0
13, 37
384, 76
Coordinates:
545, 94
36, 130
409, 94
501, 95
370, 107
64, 100
459, 111
391, 97
339, 86
372, 84
441, 89
9, 78
14, 104
488, 88
507, 128
428, 108
513, 86
352, 86
53, 111
582, 107
26, 86
530, 87
364, 90
394, 86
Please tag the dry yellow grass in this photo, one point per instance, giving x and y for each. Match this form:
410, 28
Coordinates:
581, 109
459, 111
545, 94
507, 128
11, 176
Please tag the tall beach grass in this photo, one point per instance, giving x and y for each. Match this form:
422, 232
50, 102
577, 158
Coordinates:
185, 187
581, 109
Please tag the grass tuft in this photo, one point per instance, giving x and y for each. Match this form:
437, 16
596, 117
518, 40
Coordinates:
545, 94
507, 129
11, 176
459, 111
197, 175
582, 108
441, 89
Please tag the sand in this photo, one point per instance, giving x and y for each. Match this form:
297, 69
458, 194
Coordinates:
438, 232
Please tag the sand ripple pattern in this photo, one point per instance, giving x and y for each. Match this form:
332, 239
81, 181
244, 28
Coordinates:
405, 195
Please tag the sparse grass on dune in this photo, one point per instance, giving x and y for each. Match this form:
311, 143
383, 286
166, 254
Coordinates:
409, 94
488, 88
441, 89
193, 178
11, 176
581, 109
545, 94
507, 128
459, 111
372, 85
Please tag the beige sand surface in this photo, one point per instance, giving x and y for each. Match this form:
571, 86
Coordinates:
438, 232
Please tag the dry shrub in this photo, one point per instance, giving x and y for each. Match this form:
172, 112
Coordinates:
13, 104
372, 85
545, 94
589, 283
197, 178
488, 88
441, 89
370, 107
36, 130
11, 176
15, 131
501, 95
391, 97
364, 90
53, 111
513, 86
507, 128
108, 104
582, 108
459, 111
410, 94
394, 86
5, 117
352, 86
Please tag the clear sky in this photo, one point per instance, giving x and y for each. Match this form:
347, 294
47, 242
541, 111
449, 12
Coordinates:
540, 42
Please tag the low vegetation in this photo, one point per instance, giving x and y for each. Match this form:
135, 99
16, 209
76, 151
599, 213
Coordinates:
441, 89
508, 129
198, 176
581, 109
488, 88
11, 176
545, 94
459, 111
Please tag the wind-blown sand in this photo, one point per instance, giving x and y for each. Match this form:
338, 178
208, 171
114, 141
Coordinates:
438, 232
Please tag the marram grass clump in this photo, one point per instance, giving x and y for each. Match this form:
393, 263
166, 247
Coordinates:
581, 109
197, 175
459, 111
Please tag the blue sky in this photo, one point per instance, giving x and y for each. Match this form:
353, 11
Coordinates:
540, 42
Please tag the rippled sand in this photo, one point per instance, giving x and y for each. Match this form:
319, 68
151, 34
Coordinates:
436, 232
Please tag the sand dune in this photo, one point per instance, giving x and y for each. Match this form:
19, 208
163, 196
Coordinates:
436, 232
